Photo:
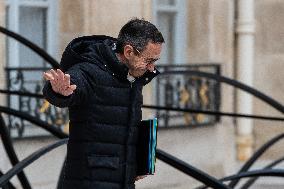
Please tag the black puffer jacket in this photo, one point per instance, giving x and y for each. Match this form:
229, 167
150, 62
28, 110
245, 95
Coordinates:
104, 111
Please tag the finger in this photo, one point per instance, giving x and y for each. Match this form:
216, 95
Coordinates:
70, 90
60, 75
72, 87
47, 76
67, 93
50, 78
56, 86
60, 80
54, 74
67, 80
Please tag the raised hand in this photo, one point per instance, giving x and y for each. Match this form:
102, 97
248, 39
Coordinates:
60, 82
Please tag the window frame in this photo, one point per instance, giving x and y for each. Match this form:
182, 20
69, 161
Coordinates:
13, 25
13, 56
180, 33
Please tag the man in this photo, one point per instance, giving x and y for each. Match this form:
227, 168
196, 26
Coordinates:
100, 80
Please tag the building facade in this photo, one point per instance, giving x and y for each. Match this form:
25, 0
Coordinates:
197, 32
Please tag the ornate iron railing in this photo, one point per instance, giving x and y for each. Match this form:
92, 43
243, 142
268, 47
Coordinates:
179, 90
206, 179
30, 80
175, 87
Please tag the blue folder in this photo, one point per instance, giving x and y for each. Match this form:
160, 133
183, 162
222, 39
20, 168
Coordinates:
146, 147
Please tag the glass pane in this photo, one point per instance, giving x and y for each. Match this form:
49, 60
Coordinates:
166, 24
32, 25
166, 2
7, 16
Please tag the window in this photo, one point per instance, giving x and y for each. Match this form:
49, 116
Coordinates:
170, 18
35, 20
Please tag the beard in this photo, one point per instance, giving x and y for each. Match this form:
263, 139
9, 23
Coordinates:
135, 70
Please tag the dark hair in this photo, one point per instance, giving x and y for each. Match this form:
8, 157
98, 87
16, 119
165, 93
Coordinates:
137, 33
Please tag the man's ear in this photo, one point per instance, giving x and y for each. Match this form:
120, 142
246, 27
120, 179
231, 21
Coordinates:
128, 51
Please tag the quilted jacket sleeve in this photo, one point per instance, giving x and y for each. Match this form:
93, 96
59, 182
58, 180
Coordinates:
76, 98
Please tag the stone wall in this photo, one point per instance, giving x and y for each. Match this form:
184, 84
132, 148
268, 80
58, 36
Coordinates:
268, 72
96, 17
71, 21
210, 39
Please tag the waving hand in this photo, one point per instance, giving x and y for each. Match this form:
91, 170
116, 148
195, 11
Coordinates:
60, 82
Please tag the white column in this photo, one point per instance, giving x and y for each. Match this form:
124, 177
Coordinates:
13, 25
52, 27
245, 61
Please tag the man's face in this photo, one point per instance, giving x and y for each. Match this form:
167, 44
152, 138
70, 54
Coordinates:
140, 62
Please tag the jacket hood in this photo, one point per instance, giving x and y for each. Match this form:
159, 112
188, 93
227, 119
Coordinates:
83, 49
99, 50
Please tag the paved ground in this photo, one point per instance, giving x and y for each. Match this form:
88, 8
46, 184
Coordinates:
267, 187
44, 172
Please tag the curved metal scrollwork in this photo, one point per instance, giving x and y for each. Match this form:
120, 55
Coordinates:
182, 90
185, 94
20, 81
